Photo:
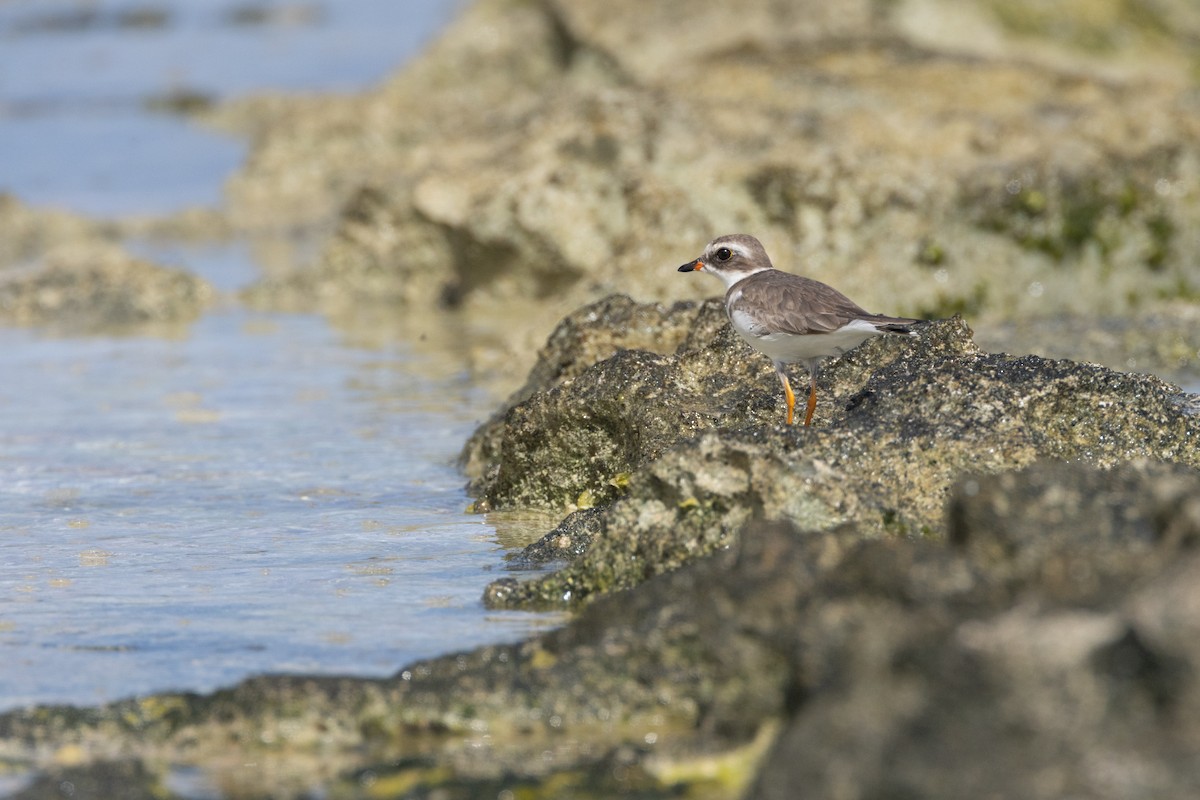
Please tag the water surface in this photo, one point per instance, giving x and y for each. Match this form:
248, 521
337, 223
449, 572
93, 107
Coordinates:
256, 494
76, 79
254, 497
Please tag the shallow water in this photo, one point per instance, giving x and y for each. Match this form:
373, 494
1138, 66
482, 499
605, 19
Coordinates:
257, 494
76, 78
255, 497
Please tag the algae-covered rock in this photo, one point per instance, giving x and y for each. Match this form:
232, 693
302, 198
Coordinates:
582, 339
698, 442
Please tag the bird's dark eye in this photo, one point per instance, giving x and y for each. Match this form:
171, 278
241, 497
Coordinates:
724, 254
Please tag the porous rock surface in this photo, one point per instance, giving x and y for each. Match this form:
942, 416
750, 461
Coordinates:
68, 273
94, 286
683, 449
935, 157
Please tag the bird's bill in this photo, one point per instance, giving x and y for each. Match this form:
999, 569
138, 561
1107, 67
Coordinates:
692, 265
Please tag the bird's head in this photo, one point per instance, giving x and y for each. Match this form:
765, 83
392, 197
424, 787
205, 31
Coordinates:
731, 258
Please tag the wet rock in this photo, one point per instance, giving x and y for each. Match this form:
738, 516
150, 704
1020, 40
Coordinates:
96, 286
685, 449
571, 539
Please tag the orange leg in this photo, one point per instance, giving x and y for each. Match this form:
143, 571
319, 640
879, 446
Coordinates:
812, 392
787, 392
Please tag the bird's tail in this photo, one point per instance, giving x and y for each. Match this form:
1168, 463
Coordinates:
901, 325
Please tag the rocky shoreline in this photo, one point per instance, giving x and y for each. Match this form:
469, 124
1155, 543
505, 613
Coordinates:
976, 574
971, 559
682, 451
1011, 656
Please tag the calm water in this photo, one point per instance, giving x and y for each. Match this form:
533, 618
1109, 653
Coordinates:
76, 75
257, 495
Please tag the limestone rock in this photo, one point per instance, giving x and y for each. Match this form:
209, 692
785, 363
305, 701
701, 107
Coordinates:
930, 157
94, 286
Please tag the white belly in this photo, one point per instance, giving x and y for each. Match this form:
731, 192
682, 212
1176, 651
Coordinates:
791, 348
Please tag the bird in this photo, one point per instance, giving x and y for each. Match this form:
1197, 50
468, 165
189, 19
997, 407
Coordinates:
789, 318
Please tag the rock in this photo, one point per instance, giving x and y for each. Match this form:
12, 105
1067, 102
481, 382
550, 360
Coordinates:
930, 157
129, 780
27, 233
1166, 342
572, 538
976, 574
685, 449
96, 286
1064, 686
1078, 535
584, 338
67, 272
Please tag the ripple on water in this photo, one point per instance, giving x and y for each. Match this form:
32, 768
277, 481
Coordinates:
255, 498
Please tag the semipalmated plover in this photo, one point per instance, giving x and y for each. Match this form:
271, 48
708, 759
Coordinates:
788, 318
